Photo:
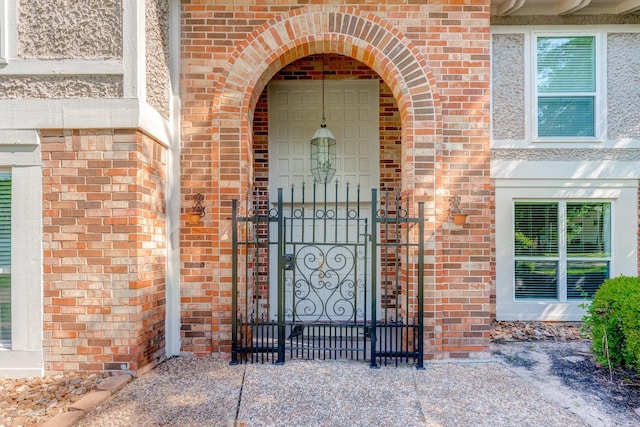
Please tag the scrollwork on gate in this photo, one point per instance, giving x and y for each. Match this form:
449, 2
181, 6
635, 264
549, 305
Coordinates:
325, 284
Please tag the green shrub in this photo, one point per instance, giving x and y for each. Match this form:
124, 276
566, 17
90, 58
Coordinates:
613, 321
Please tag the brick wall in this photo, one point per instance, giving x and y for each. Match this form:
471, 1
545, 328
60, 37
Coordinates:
434, 59
104, 250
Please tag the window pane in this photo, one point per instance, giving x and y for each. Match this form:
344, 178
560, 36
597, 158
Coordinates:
5, 260
566, 116
585, 277
589, 229
536, 279
5, 311
5, 222
536, 229
566, 64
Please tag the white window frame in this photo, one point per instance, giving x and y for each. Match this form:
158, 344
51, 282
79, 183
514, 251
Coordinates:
24, 162
4, 31
624, 207
8, 31
600, 93
562, 258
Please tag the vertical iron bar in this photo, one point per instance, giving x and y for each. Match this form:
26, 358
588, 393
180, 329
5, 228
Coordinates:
366, 239
255, 243
385, 260
374, 275
245, 245
324, 216
261, 343
291, 213
335, 230
349, 339
346, 210
398, 257
420, 364
408, 247
327, 349
281, 296
234, 282
302, 218
313, 214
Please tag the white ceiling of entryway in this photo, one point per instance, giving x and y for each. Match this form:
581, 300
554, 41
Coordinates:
564, 7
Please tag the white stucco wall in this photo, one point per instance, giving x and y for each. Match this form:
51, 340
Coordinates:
15, 87
508, 86
623, 85
84, 64
157, 55
56, 29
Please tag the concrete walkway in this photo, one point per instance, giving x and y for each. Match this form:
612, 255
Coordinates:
187, 391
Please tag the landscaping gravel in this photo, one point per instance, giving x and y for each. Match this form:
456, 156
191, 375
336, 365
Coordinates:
31, 401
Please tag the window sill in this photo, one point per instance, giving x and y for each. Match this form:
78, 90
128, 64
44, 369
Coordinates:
21, 364
568, 141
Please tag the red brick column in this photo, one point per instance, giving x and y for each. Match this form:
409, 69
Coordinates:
104, 250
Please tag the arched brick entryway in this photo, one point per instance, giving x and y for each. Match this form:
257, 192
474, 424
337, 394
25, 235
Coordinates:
344, 31
347, 32
445, 145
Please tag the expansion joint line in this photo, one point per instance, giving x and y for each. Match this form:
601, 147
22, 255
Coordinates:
244, 372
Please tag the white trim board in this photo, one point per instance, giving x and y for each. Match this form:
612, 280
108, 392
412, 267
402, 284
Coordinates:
568, 170
26, 355
522, 29
114, 113
75, 67
173, 199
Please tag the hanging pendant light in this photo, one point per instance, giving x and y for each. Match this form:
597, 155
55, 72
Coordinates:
323, 147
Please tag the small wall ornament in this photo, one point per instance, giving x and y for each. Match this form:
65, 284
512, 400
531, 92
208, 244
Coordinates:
455, 212
197, 212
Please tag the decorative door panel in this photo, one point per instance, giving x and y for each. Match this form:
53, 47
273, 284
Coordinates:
352, 113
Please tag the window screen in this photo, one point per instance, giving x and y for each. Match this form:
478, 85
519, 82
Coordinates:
588, 238
561, 248
535, 241
566, 84
5, 260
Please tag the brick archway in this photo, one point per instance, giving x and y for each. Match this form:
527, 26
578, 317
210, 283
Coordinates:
280, 41
345, 31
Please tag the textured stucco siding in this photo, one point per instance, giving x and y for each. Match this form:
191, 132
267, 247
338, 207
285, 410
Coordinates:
56, 29
623, 85
60, 87
564, 154
157, 55
508, 86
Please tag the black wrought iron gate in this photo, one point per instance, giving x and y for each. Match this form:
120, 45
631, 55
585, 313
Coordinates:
328, 276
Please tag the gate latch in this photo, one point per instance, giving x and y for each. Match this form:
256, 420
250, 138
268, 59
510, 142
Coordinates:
287, 261
366, 236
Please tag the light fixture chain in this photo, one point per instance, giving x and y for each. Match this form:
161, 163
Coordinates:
323, 117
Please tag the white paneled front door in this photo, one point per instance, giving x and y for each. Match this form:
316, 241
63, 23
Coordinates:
352, 115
